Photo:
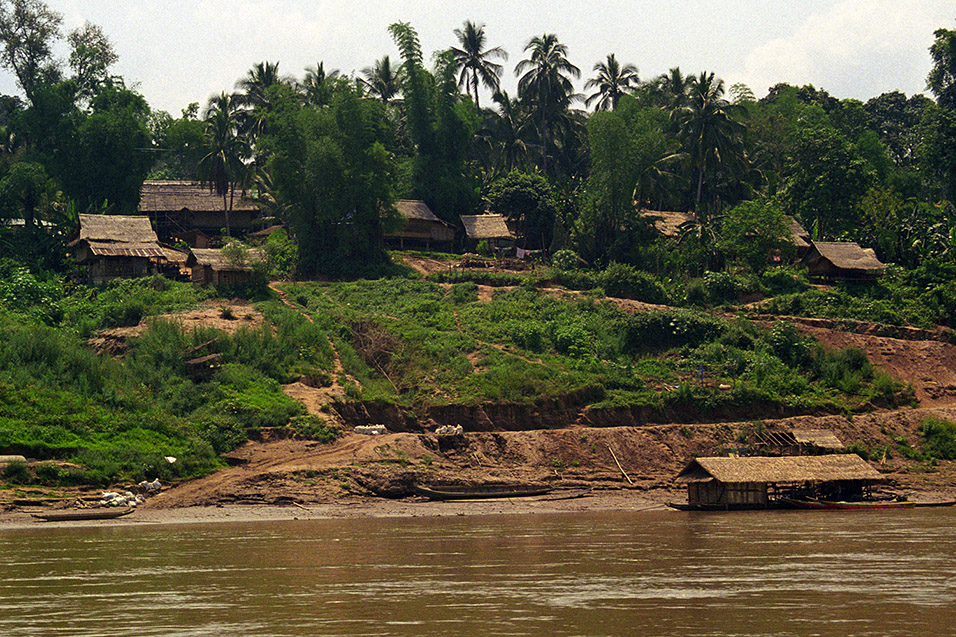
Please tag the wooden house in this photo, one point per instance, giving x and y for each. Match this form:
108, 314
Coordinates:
798, 235
490, 228
754, 483
844, 261
418, 226
114, 246
178, 207
209, 266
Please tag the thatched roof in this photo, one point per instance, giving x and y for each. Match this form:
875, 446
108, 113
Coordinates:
480, 227
158, 196
415, 209
173, 255
798, 234
668, 223
118, 236
214, 258
786, 469
845, 255
822, 438
117, 228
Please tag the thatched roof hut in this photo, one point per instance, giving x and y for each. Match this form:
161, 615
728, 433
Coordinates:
842, 260
798, 234
491, 228
179, 206
817, 438
419, 225
115, 246
670, 222
750, 482
210, 266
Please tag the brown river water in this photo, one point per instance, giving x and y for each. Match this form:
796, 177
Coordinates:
649, 573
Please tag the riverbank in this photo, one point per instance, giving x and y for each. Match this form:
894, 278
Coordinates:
354, 507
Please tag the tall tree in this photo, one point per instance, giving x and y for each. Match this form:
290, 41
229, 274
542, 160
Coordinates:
510, 132
316, 85
28, 30
257, 92
475, 61
711, 137
545, 83
222, 166
382, 80
91, 57
612, 81
942, 77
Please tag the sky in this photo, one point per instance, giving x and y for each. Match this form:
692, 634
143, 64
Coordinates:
177, 52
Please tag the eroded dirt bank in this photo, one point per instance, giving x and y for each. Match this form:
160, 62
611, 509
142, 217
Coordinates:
576, 458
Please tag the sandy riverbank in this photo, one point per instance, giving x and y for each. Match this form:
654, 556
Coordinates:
571, 501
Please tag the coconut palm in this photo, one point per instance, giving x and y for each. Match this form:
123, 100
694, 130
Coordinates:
475, 61
712, 139
223, 167
382, 79
612, 81
509, 132
674, 88
545, 84
255, 95
316, 85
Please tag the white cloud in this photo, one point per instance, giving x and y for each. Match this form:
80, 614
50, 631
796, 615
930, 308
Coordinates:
856, 48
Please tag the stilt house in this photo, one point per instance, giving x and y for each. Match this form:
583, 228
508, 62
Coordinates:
114, 246
181, 207
737, 483
490, 228
845, 261
419, 227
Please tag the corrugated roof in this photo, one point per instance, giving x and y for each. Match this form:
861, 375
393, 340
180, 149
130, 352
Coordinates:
214, 258
785, 469
415, 209
668, 222
122, 249
823, 438
117, 228
847, 255
157, 196
486, 227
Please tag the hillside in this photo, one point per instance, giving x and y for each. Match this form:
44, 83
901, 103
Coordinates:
550, 384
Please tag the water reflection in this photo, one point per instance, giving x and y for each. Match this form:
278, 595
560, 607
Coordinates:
765, 573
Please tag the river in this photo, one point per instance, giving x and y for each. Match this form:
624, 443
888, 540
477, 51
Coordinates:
780, 573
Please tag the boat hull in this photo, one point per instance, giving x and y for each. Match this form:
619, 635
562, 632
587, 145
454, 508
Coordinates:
438, 493
79, 514
825, 505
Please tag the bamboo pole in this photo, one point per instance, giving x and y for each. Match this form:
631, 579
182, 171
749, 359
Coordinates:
619, 465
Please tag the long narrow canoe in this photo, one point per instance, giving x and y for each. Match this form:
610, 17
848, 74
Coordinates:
827, 505
476, 493
67, 515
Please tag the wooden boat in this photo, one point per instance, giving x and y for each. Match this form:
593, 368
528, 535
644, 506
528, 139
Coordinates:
684, 506
69, 515
477, 493
828, 505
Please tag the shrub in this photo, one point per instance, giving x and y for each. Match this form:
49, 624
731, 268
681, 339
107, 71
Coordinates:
566, 260
462, 293
939, 438
628, 282
315, 428
655, 331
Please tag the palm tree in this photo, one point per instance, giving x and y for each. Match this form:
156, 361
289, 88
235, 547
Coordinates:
255, 95
382, 80
475, 61
316, 84
222, 167
611, 82
545, 83
675, 88
509, 133
712, 139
